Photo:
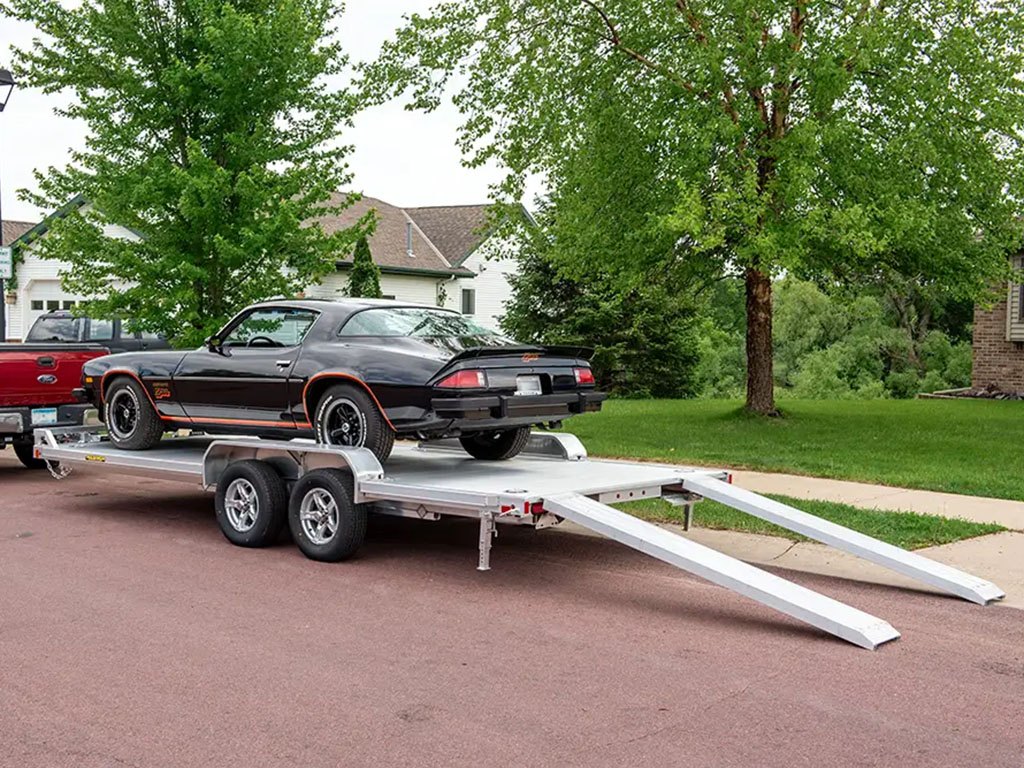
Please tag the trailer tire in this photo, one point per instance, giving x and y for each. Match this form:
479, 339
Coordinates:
325, 523
24, 452
251, 503
132, 422
351, 408
496, 446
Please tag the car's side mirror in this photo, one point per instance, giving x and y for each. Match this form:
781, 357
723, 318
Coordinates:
213, 343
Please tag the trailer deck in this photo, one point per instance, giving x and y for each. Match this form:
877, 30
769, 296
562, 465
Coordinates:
553, 480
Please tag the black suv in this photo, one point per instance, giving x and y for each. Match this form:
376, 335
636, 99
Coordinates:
61, 326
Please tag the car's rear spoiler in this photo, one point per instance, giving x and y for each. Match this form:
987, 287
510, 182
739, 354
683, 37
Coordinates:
582, 353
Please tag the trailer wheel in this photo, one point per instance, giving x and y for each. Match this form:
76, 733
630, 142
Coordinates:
324, 522
132, 421
347, 417
496, 446
24, 452
251, 503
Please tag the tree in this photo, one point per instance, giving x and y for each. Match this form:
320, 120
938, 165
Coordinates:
364, 279
211, 134
848, 138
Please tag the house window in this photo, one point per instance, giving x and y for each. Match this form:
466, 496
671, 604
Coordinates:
37, 305
70, 304
52, 305
469, 301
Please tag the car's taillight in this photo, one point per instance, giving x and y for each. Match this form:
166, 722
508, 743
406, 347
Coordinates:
471, 379
583, 375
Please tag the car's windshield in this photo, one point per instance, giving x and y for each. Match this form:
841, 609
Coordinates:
416, 322
55, 329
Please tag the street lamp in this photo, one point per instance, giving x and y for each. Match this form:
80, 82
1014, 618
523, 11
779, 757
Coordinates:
6, 87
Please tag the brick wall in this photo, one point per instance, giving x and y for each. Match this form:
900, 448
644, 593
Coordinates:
996, 360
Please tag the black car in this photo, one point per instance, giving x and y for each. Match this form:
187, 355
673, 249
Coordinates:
355, 372
60, 326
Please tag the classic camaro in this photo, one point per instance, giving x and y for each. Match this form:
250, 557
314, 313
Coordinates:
352, 372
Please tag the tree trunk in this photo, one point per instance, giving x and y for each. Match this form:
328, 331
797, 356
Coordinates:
760, 384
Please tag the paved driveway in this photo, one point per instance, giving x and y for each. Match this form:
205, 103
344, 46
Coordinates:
131, 633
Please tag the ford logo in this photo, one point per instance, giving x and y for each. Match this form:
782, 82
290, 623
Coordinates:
46, 378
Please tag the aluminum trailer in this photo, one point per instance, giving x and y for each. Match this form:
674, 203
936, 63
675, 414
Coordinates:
325, 493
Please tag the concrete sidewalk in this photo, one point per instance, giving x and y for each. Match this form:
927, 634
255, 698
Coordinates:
1009, 514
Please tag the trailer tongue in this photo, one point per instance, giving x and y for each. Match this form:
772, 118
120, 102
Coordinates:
552, 481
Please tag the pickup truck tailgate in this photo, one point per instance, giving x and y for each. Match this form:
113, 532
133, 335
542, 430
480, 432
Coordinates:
42, 375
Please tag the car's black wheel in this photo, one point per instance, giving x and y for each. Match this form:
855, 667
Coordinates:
251, 503
132, 422
347, 416
496, 446
24, 453
324, 522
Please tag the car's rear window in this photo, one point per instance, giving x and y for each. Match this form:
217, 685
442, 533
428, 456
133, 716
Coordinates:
55, 329
414, 322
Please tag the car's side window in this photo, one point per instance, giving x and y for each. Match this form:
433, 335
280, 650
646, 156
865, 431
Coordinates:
271, 327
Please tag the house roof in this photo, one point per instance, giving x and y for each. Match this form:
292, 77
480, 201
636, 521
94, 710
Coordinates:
12, 230
456, 230
389, 241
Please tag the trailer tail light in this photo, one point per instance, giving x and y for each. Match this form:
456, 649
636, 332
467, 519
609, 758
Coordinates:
471, 379
583, 375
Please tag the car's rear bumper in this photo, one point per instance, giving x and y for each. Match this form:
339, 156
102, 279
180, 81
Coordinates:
516, 408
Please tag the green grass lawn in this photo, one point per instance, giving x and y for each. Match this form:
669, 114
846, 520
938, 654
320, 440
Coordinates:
960, 446
904, 529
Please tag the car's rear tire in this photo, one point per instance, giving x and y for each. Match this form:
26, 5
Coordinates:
24, 452
325, 523
498, 445
132, 421
346, 416
251, 503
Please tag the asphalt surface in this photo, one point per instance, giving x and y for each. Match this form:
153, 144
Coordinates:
133, 634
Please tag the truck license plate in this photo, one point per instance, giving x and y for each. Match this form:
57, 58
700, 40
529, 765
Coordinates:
528, 385
43, 416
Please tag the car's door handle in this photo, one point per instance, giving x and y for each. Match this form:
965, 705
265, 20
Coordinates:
283, 363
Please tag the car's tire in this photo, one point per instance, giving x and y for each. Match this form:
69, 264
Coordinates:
24, 452
325, 524
132, 421
496, 446
347, 416
251, 503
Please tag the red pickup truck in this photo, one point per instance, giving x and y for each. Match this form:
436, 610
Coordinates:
36, 383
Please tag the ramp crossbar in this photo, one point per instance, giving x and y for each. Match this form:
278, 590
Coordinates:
938, 575
801, 603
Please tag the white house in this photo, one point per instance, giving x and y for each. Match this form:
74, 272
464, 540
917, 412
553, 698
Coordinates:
440, 255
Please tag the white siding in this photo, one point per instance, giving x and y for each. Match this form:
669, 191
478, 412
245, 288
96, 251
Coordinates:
39, 280
493, 291
421, 289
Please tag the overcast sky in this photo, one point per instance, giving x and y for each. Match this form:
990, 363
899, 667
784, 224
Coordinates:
405, 158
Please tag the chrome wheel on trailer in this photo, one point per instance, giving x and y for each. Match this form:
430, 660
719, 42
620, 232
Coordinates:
325, 523
344, 424
318, 513
251, 503
241, 505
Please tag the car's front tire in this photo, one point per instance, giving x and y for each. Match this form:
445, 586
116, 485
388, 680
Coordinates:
496, 446
346, 416
132, 421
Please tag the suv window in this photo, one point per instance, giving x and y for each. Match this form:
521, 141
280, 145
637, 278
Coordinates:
273, 327
101, 330
55, 329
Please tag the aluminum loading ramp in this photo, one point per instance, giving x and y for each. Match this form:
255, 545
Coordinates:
551, 481
801, 603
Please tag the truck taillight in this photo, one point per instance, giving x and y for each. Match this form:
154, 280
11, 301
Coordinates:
583, 375
471, 379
